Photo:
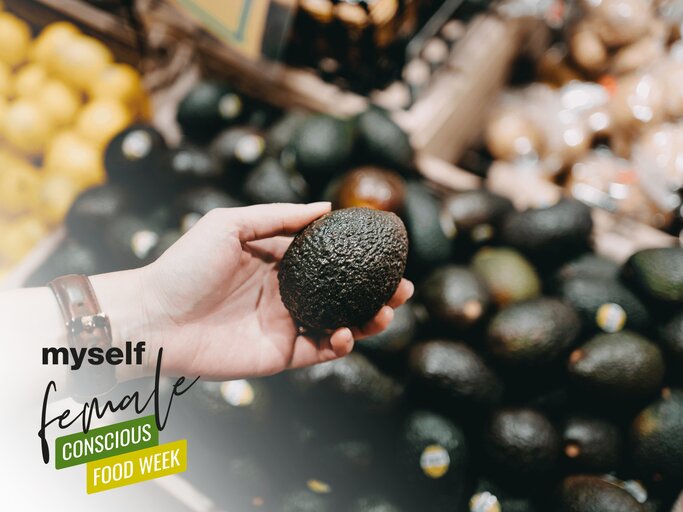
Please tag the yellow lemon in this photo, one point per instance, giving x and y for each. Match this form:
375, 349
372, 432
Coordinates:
59, 101
118, 81
101, 119
26, 127
4, 104
57, 193
15, 37
20, 236
5, 79
19, 185
70, 155
80, 59
29, 80
47, 44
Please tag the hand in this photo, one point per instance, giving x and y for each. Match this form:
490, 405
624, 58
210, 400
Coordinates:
212, 300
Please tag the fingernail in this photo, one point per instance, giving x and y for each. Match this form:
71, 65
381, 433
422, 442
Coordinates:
346, 335
390, 313
411, 287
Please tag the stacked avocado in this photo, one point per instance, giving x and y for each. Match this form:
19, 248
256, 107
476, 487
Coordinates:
526, 374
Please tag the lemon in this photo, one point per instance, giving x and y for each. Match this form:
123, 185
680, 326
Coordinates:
118, 81
59, 101
101, 119
5, 80
80, 59
57, 193
15, 37
26, 127
20, 236
29, 80
47, 44
19, 185
74, 157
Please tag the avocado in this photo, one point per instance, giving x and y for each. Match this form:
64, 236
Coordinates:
93, 209
671, 334
509, 276
208, 107
342, 268
586, 493
193, 203
70, 257
605, 304
371, 187
353, 380
453, 375
656, 439
621, 367
430, 236
249, 485
132, 238
321, 146
190, 164
137, 156
382, 141
587, 266
658, 273
490, 497
374, 503
522, 445
283, 130
236, 150
243, 402
305, 500
270, 182
591, 444
394, 338
532, 333
554, 233
432, 459
455, 296
477, 214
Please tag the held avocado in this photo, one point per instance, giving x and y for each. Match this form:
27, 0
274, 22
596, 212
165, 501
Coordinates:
342, 268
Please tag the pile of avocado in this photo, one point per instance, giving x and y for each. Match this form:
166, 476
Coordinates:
526, 374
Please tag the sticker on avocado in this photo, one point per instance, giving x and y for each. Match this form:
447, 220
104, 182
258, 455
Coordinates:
611, 317
318, 486
435, 461
484, 502
237, 393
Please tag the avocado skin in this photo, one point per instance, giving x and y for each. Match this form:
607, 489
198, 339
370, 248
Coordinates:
556, 232
599, 442
586, 295
532, 333
322, 145
374, 503
269, 182
509, 276
671, 334
658, 273
587, 266
455, 296
190, 164
342, 268
656, 438
123, 239
429, 245
621, 367
585, 493
93, 209
304, 500
199, 113
382, 141
394, 338
451, 372
521, 443
474, 208
140, 171
282, 131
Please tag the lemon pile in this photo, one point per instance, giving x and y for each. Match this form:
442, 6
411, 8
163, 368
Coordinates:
62, 98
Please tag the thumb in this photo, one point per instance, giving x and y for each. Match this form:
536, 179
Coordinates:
268, 220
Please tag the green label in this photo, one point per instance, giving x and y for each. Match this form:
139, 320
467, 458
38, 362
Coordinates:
103, 442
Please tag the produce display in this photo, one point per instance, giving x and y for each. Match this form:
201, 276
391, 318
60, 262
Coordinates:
62, 97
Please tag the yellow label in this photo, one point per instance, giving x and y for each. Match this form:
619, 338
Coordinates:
135, 467
435, 461
318, 486
611, 317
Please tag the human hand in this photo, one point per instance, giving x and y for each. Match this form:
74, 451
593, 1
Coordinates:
212, 300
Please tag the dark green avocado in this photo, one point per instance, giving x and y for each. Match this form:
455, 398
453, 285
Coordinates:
93, 209
137, 156
132, 238
394, 338
452, 374
455, 296
556, 232
342, 268
656, 438
605, 304
207, 108
509, 275
591, 444
193, 203
622, 367
477, 214
374, 503
587, 266
190, 163
658, 273
283, 130
521, 444
270, 182
532, 333
586, 493
305, 500
236, 150
321, 146
382, 141
70, 257
671, 334
238, 402
430, 235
